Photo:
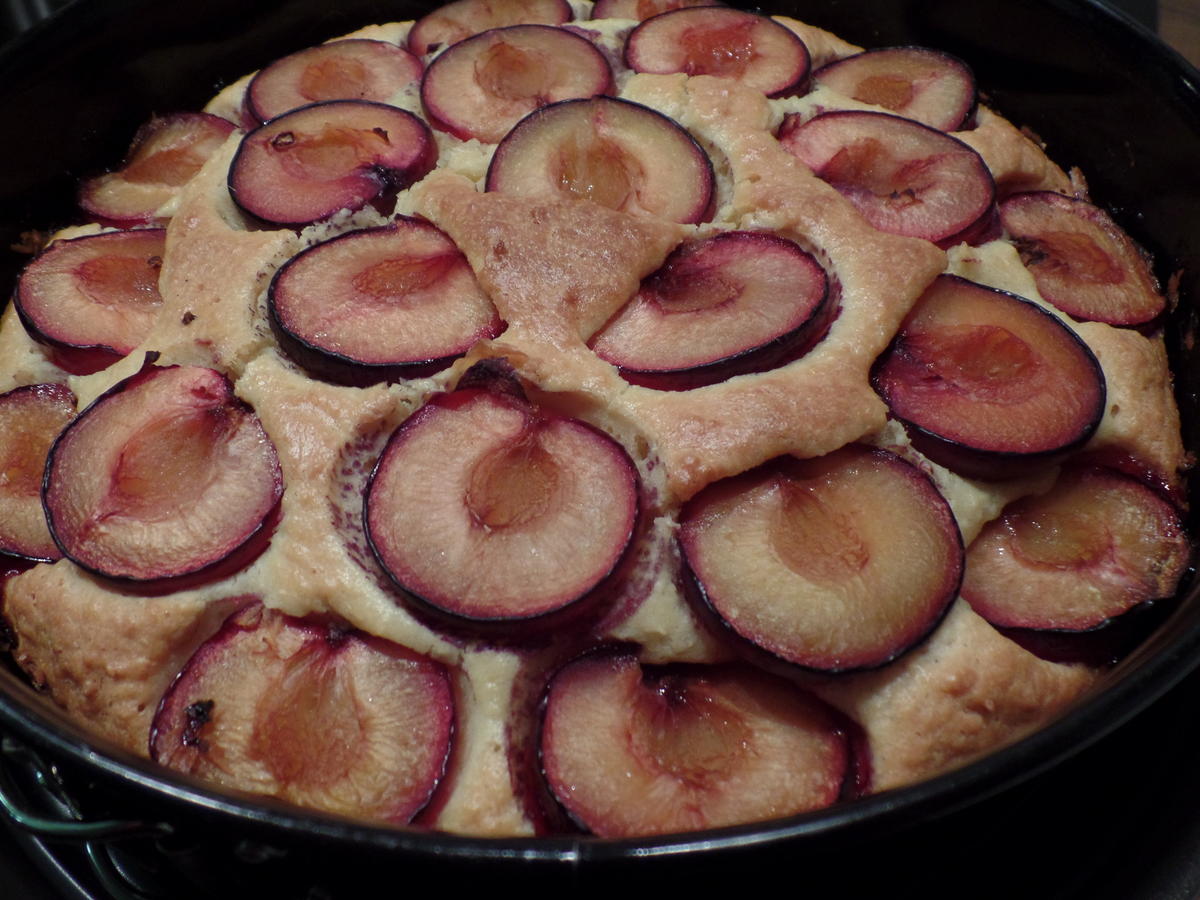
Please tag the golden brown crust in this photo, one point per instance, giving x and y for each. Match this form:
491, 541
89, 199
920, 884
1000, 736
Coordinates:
106, 657
213, 274
1016, 162
823, 47
556, 271
964, 692
1140, 418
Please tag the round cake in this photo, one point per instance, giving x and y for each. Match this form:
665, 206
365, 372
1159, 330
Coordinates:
547, 417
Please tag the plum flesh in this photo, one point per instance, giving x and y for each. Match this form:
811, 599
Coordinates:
837, 563
927, 86
1097, 545
643, 9
164, 475
457, 21
987, 382
632, 751
312, 162
904, 177
728, 43
31, 418
93, 298
484, 85
719, 306
621, 155
380, 304
311, 712
486, 508
165, 154
352, 69
1081, 260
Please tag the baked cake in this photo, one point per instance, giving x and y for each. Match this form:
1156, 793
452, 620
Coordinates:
546, 417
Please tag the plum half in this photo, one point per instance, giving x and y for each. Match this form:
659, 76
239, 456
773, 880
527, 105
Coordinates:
461, 19
988, 383
632, 751
1097, 545
482, 86
752, 49
93, 299
643, 9
837, 563
31, 418
719, 306
1082, 262
904, 177
486, 508
312, 162
619, 154
311, 712
380, 304
162, 476
166, 152
351, 69
928, 86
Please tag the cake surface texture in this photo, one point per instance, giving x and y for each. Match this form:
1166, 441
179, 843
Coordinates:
548, 417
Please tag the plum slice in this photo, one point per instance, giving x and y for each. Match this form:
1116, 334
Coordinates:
484, 85
93, 298
486, 508
1098, 544
618, 154
1082, 262
717, 40
312, 162
720, 305
311, 712
632, 751
987, 382
31, 418
904, 177
351, 69
166, 152
928, 86
836, 563
461, 19
380, 304
643, 9
162, 476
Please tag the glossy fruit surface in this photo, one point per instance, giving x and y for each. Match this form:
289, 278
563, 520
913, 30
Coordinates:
618, 154
380, 303
836, 563
355, 69
482, 86
719, 305
163, 475
316, 160
487, 508
987, 380
31, 419
96, 295
1095, 546
312, 712
633, 751
904, 177
166, 152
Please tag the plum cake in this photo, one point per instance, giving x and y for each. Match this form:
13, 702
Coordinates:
546, 417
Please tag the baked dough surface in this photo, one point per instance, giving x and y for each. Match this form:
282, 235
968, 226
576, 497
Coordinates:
557, 271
